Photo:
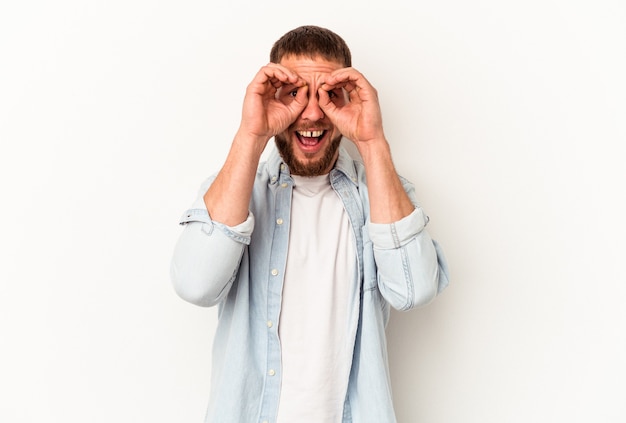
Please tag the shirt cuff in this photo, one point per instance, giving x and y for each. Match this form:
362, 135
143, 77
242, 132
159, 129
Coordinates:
241, 232
388, 236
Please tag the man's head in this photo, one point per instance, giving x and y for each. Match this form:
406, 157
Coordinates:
310, 145
312, 41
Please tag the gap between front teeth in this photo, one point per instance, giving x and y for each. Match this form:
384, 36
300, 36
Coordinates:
310, 134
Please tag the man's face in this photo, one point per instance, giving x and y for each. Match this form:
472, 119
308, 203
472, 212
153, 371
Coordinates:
310, 145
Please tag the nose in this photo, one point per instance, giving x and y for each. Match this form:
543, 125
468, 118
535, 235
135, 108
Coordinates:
312, 111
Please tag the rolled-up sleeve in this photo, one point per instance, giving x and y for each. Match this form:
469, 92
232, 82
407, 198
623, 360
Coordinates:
207, 256
412, 269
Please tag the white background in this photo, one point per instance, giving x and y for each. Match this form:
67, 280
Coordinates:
507, 115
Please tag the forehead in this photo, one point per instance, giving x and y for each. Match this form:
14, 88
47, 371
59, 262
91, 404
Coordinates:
310, 66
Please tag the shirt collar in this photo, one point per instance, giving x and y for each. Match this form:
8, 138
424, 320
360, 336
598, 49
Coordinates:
345, 164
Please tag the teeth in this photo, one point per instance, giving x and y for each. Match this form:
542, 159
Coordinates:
310, 134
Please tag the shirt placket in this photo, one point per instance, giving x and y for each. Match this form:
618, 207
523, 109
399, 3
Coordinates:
278, 260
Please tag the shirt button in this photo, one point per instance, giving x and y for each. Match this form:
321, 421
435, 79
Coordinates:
269, 324
274, 179
271, 372
274, 272
284, 185
279, 221
282, 167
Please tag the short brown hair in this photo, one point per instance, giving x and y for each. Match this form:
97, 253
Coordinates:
312, 41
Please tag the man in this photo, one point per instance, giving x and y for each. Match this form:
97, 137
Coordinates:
303, 253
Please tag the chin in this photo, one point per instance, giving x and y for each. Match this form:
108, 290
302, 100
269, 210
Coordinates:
313, 167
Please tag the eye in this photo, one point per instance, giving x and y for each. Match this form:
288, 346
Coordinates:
332, 94
293, 93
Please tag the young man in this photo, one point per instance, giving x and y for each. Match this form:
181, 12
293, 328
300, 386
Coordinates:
305, 253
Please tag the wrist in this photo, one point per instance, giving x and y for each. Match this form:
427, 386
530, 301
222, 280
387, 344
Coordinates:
250, 141
374, 150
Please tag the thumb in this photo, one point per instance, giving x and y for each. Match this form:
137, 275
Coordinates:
328, 107
300, 101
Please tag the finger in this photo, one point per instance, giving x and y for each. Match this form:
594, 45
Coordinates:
351, 80
326, 104
302, 96
352, 90
300, 101
291, 77
277, 76
356, 91
348, 79
276, 82
345, 75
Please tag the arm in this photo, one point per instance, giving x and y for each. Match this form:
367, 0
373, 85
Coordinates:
263, 116
207, 256
411, 268
208, 253
360, 120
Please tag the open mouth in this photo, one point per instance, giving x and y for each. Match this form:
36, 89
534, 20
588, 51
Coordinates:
310, 138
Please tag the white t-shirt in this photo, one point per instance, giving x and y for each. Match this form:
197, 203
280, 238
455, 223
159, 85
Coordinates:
314, 321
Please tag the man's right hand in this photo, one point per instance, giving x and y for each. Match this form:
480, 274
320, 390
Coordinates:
264, 114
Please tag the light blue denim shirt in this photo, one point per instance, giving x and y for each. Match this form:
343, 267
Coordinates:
241, 268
